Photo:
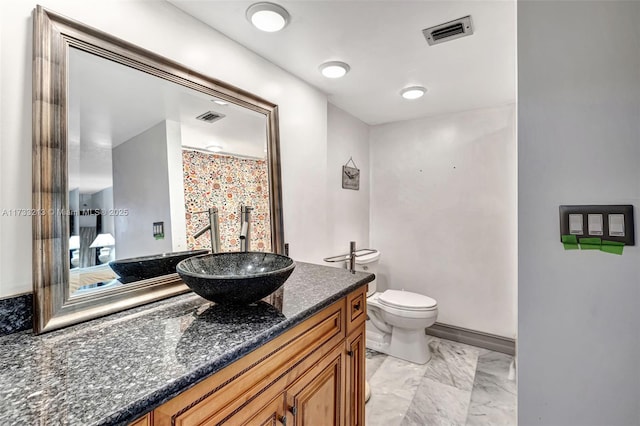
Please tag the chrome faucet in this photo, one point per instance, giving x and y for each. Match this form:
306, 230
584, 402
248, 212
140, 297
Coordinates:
352, 257
213, 227
245, 227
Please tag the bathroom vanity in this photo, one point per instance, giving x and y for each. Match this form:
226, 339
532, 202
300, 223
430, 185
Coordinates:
167, 361
312, 374
186, 361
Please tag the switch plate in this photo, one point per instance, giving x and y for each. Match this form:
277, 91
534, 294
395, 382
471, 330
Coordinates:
609, 222
158, 230
576, 224
616, 225
595, 224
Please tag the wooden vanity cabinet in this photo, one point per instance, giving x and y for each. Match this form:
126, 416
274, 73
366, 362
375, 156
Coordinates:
257, 412
355, 349
312, 375
144, 421
317, 397
355, 377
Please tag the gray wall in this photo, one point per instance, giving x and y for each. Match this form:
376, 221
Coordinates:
443, 214
347, 209
103, 200
176, 186
141, 185
578, 143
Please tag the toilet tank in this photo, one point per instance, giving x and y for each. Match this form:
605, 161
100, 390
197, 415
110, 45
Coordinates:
369, 263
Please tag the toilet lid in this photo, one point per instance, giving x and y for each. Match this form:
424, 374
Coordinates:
407, 300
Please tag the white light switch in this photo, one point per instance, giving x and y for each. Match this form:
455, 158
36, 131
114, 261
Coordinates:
616, 225
595, 224
575, 224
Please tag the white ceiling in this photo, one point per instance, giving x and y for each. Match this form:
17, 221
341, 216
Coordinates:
382, 41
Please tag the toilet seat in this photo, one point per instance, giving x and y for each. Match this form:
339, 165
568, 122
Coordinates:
375, 302
407, 301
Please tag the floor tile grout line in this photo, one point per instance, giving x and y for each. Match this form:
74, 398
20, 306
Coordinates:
466, 417
380, 370
506, 378
437, 354
498, 381
496, 377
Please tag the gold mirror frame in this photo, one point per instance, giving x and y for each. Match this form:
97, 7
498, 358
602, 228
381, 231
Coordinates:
53, 35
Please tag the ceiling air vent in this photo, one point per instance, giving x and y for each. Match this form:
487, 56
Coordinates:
210, 116
448, 31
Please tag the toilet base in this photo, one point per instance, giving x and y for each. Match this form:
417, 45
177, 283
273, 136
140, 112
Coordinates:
408, 344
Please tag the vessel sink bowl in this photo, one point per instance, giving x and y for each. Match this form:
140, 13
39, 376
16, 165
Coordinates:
236, 277
145, 267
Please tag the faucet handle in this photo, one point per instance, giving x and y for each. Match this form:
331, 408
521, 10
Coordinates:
214, 208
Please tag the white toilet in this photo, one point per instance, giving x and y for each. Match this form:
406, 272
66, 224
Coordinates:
397, 319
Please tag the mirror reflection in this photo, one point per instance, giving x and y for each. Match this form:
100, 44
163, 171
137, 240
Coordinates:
148, 161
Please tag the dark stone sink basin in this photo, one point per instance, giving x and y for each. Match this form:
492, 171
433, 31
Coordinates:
144, 267
236, 277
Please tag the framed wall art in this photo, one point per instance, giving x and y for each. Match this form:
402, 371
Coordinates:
350, 176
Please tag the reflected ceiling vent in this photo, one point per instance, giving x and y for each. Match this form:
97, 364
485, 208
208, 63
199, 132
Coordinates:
210, 116
449, 31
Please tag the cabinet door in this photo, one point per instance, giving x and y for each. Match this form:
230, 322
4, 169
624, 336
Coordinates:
143, 421
316, 398
355, 377
271, 414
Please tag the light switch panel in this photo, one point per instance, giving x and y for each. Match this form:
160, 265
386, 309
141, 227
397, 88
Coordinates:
616, 225
595, 224
158, 230
611, 222
575, 224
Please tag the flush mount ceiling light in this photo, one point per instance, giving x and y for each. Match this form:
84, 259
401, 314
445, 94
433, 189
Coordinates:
413, 92
268, 17
214, 148
334, 69
219, 102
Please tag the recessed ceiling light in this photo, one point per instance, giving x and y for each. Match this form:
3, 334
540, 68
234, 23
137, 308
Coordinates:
269, 17
219, 102
334, 69
413, 92
214, 148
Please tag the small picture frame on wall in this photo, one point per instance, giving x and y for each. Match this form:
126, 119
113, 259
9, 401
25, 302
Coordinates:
350, 176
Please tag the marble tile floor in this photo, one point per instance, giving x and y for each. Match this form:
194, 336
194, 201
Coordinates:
462, 385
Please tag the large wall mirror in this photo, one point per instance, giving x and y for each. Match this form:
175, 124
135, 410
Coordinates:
130, 151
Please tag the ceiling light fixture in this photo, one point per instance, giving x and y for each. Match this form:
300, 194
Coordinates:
268, 17
334, 69
214, 148
219, 102
413, 92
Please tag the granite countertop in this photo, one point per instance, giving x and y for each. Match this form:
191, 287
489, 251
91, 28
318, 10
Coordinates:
114, 369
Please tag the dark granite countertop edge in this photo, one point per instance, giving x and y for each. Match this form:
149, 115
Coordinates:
163, 394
